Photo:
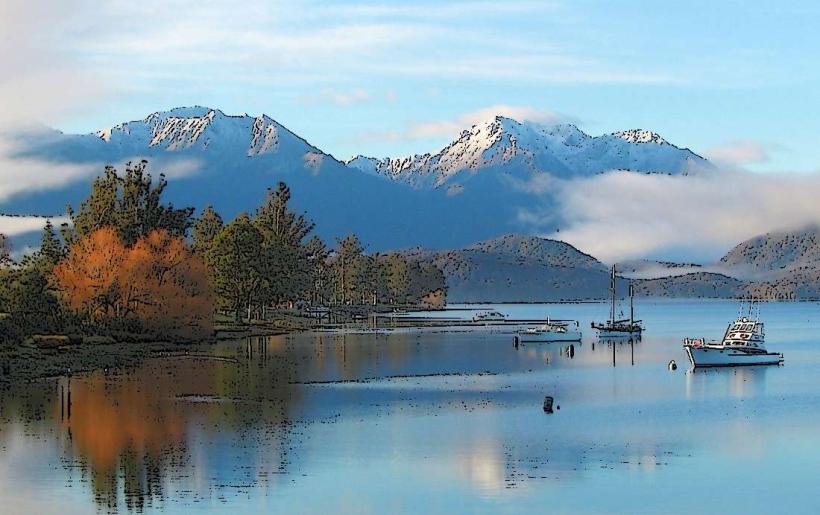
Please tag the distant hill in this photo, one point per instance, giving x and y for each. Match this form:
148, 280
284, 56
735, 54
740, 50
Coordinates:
776, 265
696, 285
516, 268
782, 264
769, 255
520, 269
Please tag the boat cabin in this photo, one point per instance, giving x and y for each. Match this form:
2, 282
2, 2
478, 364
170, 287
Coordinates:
744, 332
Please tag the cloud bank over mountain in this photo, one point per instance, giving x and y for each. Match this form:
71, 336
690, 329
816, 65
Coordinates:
624, 215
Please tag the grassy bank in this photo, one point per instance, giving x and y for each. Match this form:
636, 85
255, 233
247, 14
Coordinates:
45, 356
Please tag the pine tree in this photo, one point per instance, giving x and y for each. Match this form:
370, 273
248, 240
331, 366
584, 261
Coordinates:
51, 248
5, 251
283, 254
398, 278
236, 268
348, 270
205, 229
317, 255
277, 222
130, 203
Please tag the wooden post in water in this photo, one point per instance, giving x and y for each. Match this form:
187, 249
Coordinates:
613, 353
612, 290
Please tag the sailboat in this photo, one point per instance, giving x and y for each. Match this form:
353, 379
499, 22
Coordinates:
625, 328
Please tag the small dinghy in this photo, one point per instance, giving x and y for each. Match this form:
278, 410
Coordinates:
552, 331
742, 344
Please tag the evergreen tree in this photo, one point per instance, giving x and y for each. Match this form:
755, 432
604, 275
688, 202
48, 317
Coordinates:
236, 269
130, 203
320, 278
398, 278
277, 222
5, 251
284, 257
205, 229
51, 248
348, 270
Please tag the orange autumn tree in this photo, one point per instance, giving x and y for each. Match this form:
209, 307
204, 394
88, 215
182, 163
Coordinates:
166, 287
88, 277
157, 281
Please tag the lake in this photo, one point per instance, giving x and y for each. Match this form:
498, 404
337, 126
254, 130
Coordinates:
436, 422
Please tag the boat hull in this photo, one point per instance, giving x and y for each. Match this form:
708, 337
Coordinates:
548, 336
713, 357
610, 334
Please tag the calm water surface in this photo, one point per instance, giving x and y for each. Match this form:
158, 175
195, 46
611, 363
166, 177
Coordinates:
435, 422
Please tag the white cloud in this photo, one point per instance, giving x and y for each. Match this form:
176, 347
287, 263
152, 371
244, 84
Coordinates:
342, 98
624, 215
738, 152
41, 76
16, 225
21, 174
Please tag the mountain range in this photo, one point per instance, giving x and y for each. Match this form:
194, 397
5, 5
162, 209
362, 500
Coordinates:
435, 204
473, 189
507, 146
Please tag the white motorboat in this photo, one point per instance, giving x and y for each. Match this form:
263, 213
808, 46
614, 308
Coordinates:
624, 328
552, 331
742, 344
489, 317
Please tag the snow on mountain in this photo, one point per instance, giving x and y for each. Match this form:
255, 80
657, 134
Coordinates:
201, 127
640, 136
525, 147
469, 191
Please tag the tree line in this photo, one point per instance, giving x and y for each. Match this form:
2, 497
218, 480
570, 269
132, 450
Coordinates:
130, 262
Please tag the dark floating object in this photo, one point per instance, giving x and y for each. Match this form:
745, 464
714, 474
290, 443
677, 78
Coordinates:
548, 404
672, 365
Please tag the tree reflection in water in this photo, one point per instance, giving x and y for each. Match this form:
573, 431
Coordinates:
131, 434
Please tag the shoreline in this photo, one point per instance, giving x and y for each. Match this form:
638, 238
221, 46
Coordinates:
26, 363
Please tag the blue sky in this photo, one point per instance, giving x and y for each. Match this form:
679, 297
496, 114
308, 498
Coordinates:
736, 80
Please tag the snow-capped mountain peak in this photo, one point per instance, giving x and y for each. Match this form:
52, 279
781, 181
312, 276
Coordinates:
639, 136
523, 148
198, 127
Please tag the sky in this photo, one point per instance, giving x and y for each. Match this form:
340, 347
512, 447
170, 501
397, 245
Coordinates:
734, 80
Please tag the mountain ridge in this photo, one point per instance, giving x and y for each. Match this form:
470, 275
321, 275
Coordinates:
230, 161
562, 150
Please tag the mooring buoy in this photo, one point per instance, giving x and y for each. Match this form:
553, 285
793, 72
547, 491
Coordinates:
672, 365
548, 404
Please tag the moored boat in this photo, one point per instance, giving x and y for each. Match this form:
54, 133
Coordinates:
490, 317
742, 344
624, 328
552, 331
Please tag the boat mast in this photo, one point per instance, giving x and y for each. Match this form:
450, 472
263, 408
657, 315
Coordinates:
612, 290
631, 304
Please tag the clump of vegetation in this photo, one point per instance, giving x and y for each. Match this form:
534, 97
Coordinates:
125, 266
